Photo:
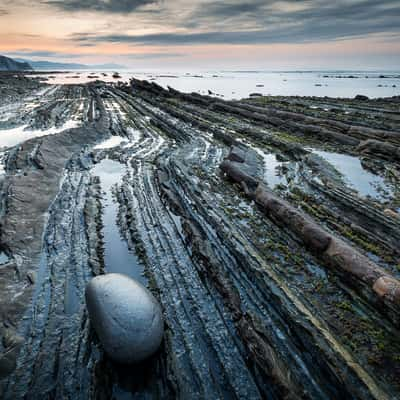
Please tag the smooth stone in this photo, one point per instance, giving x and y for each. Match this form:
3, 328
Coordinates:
126, 317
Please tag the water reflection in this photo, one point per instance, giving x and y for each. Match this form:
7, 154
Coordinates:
117, 256
365, 182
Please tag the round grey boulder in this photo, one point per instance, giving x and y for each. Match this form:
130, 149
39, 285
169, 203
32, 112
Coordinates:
126, 317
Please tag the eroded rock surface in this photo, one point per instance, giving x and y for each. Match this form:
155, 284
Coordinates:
267, 229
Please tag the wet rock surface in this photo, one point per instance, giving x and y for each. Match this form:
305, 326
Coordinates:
267, 229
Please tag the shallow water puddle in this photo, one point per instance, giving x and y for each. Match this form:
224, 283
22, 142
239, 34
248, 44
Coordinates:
14, 136
117, 256
134, 136
113, 141
271, 168
365, 182
4, 258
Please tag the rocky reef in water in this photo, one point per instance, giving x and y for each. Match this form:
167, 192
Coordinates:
267, 229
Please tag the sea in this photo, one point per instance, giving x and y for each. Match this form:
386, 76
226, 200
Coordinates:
232, 85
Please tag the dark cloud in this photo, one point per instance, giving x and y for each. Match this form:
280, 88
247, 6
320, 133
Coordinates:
295, 34
270, 13
3, 12
293, 8
263, 21
228, 9
112, 6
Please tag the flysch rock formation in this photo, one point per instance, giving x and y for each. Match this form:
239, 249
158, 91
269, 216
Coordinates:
267, 229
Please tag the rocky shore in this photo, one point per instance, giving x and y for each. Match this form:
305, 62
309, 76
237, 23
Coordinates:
267, 229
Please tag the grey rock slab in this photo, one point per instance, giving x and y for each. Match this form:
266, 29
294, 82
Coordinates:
126, 317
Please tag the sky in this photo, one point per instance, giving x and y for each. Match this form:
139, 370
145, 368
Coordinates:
206, 34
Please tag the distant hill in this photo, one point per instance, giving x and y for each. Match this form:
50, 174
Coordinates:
8, 64
56, 66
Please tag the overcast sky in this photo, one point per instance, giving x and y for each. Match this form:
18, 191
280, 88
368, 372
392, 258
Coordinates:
204, 34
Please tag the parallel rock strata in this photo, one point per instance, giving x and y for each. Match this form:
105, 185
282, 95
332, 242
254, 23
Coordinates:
279, 282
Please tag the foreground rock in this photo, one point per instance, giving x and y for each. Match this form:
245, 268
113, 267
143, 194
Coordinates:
126, 317
335, 251
383, 149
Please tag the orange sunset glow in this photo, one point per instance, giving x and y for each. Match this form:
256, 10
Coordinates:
267, 34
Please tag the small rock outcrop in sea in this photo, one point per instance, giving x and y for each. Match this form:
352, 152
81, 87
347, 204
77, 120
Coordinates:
126, 317
361, 97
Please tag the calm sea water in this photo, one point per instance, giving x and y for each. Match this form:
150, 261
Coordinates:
239, 84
